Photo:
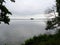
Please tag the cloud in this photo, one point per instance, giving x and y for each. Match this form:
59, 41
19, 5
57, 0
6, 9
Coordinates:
29, 7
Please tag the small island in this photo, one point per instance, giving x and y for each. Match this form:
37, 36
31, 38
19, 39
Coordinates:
31, 18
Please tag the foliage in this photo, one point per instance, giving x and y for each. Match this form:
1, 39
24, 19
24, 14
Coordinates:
44, 39
4, 11
54, 22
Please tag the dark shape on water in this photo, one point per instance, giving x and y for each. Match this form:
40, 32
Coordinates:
31, 18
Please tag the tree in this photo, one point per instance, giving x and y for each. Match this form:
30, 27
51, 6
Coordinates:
54, 22
4, 11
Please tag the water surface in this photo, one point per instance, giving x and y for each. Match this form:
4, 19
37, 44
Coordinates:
20, 30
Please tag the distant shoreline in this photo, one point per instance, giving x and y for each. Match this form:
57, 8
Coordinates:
29, 19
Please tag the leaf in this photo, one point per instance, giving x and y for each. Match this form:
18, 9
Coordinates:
4, 9
2, 1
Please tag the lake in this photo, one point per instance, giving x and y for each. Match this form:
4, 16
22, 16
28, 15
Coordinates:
20, 30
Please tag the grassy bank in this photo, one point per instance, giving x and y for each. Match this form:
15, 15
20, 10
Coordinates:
44, 40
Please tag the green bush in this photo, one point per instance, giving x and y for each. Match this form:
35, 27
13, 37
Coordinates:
44, 39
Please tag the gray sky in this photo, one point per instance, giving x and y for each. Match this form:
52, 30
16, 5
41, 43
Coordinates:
29, 8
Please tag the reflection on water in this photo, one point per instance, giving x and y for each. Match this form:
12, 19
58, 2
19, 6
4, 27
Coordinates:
19, 30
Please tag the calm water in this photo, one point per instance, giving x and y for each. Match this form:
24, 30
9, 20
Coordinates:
20, 30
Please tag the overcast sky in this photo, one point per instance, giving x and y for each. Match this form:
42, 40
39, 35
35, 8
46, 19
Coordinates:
29, 8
